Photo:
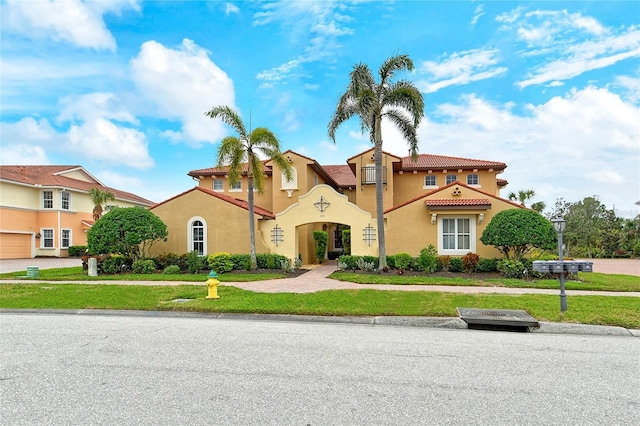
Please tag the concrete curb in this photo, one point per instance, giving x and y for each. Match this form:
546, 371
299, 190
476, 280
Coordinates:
453, 323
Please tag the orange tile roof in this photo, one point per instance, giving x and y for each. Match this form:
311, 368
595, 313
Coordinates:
50, 176
235, 201
221, 171
490, 196
502, 182
341, 174
458, 202
442, 162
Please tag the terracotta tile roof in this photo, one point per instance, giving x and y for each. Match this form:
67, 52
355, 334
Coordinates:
371, 150
435, 191
221, 171
502, 182
235, 201
52, 176
341, 174
442, 162
458, 202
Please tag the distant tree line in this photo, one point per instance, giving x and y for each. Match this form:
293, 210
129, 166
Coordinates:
592, 230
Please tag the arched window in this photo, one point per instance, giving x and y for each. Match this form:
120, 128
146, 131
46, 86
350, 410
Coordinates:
451, 179
292, 184
197, 236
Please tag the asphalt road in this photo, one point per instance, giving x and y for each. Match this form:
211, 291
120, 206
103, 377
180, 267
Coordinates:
116, 370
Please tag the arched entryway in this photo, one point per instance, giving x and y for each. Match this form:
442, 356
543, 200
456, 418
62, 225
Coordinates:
322, 205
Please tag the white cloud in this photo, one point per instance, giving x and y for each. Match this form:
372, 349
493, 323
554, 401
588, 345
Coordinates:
100, 139
313, 28
291, 121
632, 86
231, 8
477, 14
183, 84
460, 68
586, 56
78, 22
567, 45
22, 155
95, 105
583, 144
117, 180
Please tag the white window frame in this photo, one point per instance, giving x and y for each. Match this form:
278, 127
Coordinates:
477, 180
47, 199
62, 238
450, 179
472, 235
430, 186
221, 182
44, 237
67, 201
190, 239
232, 188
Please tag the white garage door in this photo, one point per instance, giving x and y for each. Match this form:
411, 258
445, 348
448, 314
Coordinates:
15, 246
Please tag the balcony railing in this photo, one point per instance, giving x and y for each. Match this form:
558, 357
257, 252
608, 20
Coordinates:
368, 175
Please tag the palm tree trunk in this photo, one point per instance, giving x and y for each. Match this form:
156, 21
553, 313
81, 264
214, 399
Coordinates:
252, 227
382, 251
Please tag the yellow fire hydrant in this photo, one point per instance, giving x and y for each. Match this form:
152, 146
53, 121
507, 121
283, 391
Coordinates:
212, 284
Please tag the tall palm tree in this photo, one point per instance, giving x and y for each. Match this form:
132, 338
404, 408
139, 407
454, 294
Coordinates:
98, 198
400, 102
236, 151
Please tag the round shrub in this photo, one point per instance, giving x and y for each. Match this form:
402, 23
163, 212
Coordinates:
171, 270
220, 262
144, 266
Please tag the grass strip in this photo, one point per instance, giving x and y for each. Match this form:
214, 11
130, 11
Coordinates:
587, 281
597, 310
77, 274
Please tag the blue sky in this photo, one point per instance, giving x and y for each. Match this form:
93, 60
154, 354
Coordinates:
121, 87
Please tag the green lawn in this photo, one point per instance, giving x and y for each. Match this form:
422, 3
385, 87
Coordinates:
587, 281
602, 310
76, 274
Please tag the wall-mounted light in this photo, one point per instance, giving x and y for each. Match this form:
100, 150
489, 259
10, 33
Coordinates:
433, 218
481, 218
38, 235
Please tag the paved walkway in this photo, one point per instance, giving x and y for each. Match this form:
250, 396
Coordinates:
316, 280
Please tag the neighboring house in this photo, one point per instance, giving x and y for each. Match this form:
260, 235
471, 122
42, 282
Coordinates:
439, 200
46, 209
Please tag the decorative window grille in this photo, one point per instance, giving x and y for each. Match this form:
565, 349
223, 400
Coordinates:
322, 204
369, 235
277, 235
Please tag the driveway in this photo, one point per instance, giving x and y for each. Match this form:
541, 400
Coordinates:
14, 265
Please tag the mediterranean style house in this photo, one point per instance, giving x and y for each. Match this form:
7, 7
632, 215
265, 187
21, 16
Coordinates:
44, 210
439, 200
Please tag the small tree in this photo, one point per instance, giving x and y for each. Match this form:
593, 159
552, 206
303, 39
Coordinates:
130, 231
321, 238
516, 231
98, 198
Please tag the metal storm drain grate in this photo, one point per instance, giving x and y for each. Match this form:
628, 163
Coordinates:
497, 319
493, 313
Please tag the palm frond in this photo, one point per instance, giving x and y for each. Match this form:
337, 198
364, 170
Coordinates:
394, 64
404, 123
229, 117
